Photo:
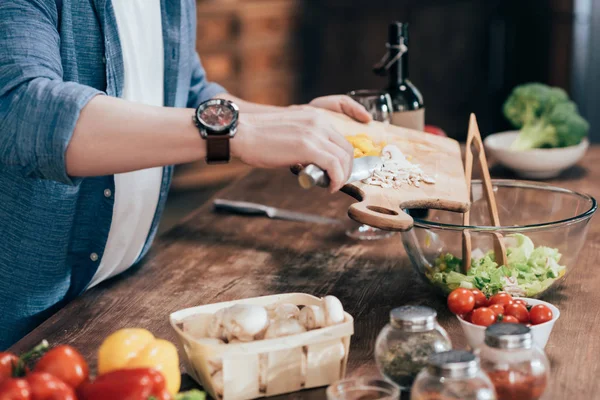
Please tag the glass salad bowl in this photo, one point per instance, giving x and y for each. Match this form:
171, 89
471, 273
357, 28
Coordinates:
544, 229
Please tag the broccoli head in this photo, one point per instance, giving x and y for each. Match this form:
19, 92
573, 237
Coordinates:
530, 101
560, 127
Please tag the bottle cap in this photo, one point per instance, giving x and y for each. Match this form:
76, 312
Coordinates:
508, 336
453, 364
413, 318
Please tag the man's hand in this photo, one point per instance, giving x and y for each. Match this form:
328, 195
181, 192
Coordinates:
342, 104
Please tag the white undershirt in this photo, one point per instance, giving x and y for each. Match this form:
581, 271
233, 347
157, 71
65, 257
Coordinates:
136, 193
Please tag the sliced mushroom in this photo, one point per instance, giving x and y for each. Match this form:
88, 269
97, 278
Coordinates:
312, 317
244, 321
282, 311
217, 381
334, 311
284, 327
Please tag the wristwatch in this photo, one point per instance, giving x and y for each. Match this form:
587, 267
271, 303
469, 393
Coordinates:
217, 121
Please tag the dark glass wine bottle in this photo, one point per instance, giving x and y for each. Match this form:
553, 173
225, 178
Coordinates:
407, 101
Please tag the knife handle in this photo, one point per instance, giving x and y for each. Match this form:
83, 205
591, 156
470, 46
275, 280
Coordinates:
313, 176
241, 207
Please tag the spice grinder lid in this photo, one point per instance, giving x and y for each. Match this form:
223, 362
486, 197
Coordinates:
508, 336
453, 364
413, 318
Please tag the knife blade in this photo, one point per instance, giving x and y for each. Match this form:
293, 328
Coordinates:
362, 168
247, 208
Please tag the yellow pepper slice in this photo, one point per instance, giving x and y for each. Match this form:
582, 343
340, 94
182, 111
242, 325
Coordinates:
138, 348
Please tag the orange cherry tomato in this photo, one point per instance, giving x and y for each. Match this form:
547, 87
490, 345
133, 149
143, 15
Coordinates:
501, 298
483, 316
461, 301
66, 364
480, 299
540, 314
509, 319
519, 311
498, 309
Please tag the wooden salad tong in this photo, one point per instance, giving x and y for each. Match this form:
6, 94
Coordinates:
474, 140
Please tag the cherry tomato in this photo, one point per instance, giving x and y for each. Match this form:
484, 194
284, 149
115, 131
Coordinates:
480, 299
509, 319
66, 364
498, 309
461, 301
467, 316
483, 316
540, 314
15, 389
519, 311
521, 301
44, 386
7, 361
434, 130
501, 298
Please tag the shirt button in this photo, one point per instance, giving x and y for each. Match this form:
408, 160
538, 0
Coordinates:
94, 257
107, 193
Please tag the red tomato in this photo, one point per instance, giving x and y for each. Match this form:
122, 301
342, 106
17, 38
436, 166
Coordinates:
480, 299
7, 361
519, 311
15, 389
66, 364
520, 301
434, 130
483, 316
540, 314
467, 317
498, 309
461, 301
509, 319
44, 386
501, 298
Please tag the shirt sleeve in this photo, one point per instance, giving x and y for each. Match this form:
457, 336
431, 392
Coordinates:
38, 110
200, 88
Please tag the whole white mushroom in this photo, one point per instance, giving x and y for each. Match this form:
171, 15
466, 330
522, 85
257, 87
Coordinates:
215, 326
282, 311
284, 327
334, 311
312, 317
244, 321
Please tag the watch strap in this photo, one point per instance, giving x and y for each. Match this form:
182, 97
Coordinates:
217, 149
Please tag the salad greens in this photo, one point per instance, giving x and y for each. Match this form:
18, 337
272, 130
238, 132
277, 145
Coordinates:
530, 270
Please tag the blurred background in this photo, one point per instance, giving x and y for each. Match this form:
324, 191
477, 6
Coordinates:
465, 56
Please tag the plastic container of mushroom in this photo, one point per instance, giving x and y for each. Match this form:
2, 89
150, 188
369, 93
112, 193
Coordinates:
265, 346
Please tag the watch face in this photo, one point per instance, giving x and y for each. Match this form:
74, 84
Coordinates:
217, 116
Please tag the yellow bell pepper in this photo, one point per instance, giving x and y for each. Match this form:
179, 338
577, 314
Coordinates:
138, 348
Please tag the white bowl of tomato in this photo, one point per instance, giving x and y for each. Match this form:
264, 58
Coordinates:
475, 313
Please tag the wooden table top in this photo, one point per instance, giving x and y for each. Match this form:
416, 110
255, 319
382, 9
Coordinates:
210, 258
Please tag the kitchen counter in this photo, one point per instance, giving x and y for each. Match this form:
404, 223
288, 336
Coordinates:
210, 258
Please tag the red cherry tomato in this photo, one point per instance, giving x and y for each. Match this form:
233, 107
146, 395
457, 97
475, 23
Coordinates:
15, 389
519, 311
480, 299
520, 301
66, 364
434, 130
540, 314
7, 361
483, 316
501, 298
509, 319
461, 301
498, 309
467, 317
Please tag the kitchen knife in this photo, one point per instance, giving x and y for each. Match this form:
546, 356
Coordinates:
246, 208
362, 168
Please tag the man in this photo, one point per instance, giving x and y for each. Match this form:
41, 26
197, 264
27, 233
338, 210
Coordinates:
98, 99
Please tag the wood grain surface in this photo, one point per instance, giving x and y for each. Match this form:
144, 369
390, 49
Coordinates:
210, 258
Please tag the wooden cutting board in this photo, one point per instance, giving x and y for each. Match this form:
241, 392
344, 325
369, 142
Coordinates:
439, 157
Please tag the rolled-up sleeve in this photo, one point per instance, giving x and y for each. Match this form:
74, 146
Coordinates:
38, 110
200, 87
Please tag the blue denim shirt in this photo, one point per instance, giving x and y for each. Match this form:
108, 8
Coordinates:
53, 61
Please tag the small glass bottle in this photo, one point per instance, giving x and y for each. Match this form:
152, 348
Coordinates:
405, 344
453, 375
518, 368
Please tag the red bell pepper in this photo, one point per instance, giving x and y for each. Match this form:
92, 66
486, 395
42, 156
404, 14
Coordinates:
126, 384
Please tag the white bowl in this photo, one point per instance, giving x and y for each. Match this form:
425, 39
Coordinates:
537, 163
475, 334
